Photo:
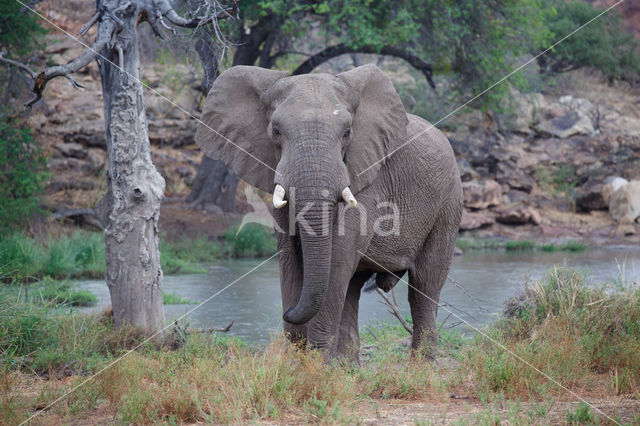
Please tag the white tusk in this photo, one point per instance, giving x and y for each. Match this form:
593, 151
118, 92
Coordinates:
348, 197
278, 197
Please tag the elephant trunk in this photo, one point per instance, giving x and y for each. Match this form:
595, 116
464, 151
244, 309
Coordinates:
315, 214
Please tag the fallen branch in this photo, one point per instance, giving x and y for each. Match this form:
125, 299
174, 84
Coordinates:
394, 309
224, 329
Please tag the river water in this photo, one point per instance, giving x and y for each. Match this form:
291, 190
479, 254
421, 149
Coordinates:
491, 276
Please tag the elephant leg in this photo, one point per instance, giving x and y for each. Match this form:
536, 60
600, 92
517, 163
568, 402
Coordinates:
349, 338
290, 260
426, 280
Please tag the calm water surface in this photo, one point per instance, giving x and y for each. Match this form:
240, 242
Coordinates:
491, 277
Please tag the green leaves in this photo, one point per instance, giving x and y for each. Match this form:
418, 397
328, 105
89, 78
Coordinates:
22, 174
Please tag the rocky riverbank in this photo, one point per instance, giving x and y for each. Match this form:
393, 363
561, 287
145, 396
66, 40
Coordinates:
538, 174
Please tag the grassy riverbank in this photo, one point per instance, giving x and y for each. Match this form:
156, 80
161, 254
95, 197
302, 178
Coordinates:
472, 243
585, 338
82, 254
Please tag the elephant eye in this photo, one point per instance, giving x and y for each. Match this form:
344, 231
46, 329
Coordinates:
347, 133
275, 131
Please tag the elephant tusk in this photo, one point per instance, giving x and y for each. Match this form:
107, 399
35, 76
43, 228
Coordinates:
348, 197
278, 197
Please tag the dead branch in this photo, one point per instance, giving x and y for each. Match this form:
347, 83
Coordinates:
394, 309
41, 79
71, 213
165, 10
224, 329
94, 19
332, 51
467, 293
17, 64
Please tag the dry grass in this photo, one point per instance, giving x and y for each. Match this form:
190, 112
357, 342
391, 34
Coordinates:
585, 337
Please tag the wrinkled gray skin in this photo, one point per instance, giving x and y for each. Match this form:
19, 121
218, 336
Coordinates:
321, 132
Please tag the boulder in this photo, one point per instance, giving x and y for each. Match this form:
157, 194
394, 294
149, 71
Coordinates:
569, 124
72, 149
518, 215
596, 195
526, 108
625, 202
475, 220
516, 179
480, 195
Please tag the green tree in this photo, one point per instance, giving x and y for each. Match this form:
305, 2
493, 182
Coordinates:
475, 42
603, 44
22, 165
19, 37
22, 175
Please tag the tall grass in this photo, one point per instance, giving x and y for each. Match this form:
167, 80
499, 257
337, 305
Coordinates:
82, 254
571, 331
587, 338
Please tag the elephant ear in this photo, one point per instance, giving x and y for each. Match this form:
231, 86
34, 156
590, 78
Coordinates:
379, 123
234, 122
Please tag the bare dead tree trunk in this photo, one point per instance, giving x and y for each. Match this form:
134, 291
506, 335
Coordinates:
130, 208
135, 190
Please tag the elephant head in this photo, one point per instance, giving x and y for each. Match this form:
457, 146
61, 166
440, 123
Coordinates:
311, 137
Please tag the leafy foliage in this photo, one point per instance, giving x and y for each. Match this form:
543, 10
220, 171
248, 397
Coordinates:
603, 44
253, 240
19, 29
474, 41
22, 175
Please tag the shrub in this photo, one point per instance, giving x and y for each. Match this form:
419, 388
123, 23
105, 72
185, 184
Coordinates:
61, 293
603, 44
22, 175
174, 299
516, 245
253, 240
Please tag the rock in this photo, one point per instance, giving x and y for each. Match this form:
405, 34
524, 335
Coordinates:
626, 227
569, 124
480, 195
466, 171
518, 215
72, 149
616, 182
517, 196
595, 196
625, 201
516, 179
527, 109
97, 157
472, 221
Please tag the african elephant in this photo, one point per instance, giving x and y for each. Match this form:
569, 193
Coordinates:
361, 187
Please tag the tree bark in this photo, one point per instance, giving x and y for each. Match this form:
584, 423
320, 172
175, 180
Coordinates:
135, 191
215, 185
214, 188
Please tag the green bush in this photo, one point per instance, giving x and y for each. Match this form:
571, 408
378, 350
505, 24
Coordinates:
22, 175
61, 293
184, 256
516, 245
174, 299
253, 240
603, 44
